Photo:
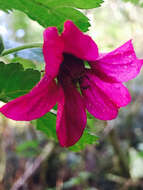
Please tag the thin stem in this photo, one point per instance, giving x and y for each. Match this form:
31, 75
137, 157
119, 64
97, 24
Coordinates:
119, 152
32, 167
26, 46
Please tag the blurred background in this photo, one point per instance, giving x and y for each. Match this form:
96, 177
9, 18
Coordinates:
30, 161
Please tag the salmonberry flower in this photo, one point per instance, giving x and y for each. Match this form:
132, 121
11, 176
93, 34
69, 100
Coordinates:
68, 82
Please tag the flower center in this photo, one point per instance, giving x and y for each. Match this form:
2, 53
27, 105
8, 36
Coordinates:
71, 70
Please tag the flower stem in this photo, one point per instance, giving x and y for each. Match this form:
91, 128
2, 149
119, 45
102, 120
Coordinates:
26, 46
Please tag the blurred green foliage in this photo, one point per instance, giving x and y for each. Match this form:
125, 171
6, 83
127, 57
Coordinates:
135, 2
1, 45
28, 149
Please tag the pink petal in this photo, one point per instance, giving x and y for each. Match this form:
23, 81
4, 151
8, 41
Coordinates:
52, 49
97, 101
71, 117
119, 65
34, 104
116, 92
77, 43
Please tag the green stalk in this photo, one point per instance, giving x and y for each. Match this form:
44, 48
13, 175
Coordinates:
26, 46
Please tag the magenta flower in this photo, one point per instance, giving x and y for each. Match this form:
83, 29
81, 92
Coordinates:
77, 88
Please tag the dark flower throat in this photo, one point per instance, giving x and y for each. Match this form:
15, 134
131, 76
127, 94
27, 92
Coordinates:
71, 71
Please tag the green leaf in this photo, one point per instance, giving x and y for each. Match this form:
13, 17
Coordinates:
47, 124
15, 81
53, 12
1, 45
86, 139
25, 62
80, 4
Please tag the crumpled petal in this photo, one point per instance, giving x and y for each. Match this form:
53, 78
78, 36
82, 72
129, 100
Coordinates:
97, 101
116, 92
71, 117
52, 49
77, 43
34, 104
119, 65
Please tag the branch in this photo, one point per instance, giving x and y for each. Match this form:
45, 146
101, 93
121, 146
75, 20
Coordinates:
34, 166
19, 48
118, 150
